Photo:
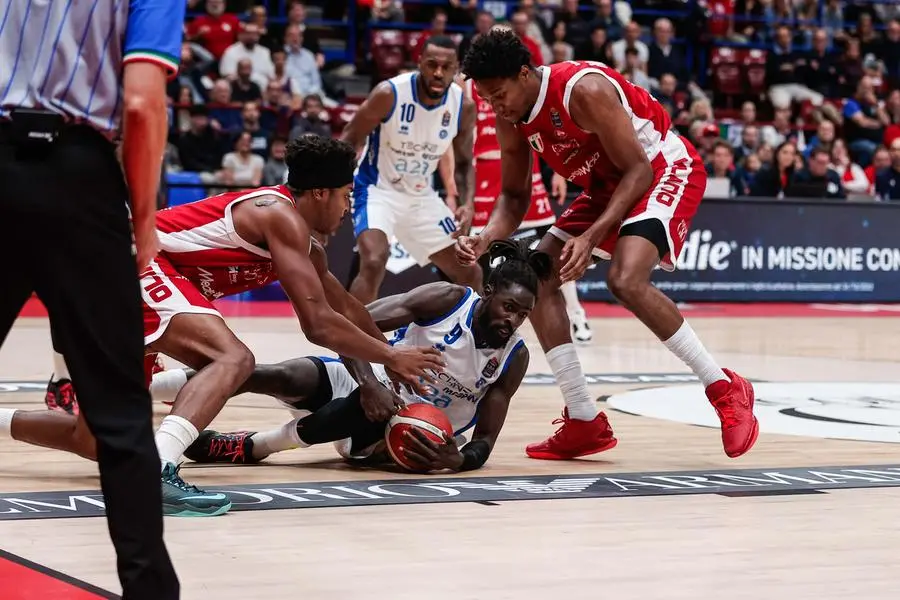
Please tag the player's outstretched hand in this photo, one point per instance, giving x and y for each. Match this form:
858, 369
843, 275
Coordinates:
431, 456
469, 248
575, 258
378, 402
414, 366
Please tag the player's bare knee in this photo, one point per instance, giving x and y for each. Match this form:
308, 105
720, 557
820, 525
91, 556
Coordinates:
626, 284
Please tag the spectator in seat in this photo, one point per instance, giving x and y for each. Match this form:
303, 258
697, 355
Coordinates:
562, 52
817, 179
520, 22
632, 39
180, 115
259, 16
665, 93
387, 11
824, 138
200, 149
251, 124
634, 69
312, 119
578, 29
780, 130
864, 122
224, 113
484, 20
890, 50
248, 48
869, 39
850, 68
297, 16
722, 162
749, 143
704, 136
663, 57
766, 154
243, 89
301, 63
216, 30
887, 181
604, 17
892, 109
276, 110
275, 171
462, 11
773, 180
749, 17
783, 76
818, 69
438, 27
195, 62
748, 117
537, 29
833, 21
852, 175
881, 160
243, 167
287, 84
597, 47
744, 175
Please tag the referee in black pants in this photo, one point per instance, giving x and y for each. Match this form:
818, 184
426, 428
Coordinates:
72, 76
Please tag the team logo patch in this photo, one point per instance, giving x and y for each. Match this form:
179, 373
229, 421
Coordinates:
445, 120
490, 368
536, 142
555, 118
443, 134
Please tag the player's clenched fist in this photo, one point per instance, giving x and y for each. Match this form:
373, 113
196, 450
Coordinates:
469, 248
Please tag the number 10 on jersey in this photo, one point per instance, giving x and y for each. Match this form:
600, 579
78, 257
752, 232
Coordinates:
407, 112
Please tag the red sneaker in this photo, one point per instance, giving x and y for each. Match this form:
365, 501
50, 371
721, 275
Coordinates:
574, 438
60, 396
733, 402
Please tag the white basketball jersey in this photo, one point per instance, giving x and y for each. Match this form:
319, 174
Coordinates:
469, 370
402, 153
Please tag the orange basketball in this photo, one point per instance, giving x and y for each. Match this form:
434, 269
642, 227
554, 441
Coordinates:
427, 418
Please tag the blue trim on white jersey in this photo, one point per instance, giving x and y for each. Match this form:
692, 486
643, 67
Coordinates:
393, 105
449, 313
366, 175
415, 93
510, 356
471, 313
469, 426
329, 359
398, 335
462, 99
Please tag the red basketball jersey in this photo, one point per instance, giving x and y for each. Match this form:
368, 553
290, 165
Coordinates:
200, 241
576, 154
487, 171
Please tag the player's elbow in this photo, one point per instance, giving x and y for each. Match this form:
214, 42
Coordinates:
317, 327
143, 104
643, 174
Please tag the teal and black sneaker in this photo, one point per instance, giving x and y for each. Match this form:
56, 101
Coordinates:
183, 500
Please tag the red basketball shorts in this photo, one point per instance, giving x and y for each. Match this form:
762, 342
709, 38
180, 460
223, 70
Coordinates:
673, 199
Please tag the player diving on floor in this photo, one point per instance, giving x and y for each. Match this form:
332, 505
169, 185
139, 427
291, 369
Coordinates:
485, 361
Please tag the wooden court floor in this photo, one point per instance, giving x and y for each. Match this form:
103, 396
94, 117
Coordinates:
658, 534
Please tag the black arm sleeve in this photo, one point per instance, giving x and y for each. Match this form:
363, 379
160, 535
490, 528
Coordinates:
475, 454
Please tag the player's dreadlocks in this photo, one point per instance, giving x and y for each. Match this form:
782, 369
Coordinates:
519, 265
316, 162
498, 54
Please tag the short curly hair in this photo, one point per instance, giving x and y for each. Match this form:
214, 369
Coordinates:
317, 162
497, 54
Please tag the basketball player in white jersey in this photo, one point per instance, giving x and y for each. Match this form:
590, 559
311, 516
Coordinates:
223, 245
402, 130
486, 360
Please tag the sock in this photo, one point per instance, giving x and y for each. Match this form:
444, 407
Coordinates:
173, 437
6, 417
569, 376
166, 384
60, 369
570, 295
687, 346
277, 440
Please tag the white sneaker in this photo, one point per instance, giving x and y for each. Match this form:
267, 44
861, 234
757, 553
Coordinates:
581, 331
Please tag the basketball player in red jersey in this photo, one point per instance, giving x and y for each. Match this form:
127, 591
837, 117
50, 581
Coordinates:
643, 184
228, 244
540, 215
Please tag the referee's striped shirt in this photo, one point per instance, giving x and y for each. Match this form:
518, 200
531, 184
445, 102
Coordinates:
67, 56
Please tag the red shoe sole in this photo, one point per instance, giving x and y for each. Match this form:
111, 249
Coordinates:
551, 456
750, 443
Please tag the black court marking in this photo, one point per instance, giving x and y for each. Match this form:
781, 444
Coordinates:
750, 494
44, 505
35, 572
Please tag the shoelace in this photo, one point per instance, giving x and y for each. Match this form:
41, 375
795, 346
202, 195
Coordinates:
175, 479
725, 407
66, 395
230, 445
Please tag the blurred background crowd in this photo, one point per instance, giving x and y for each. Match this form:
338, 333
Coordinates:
784, 98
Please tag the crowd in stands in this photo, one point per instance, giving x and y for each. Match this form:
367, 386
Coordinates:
784, 98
